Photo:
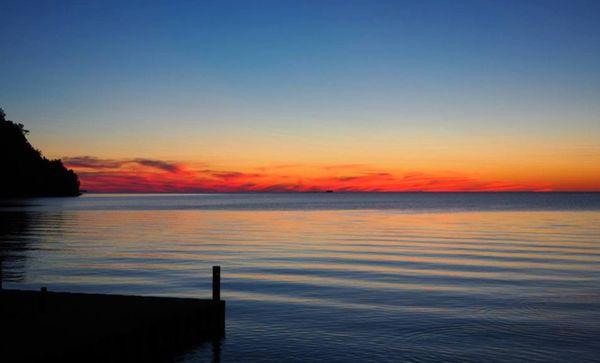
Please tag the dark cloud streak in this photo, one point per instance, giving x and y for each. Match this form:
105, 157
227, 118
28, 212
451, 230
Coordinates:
159, 164
91, 162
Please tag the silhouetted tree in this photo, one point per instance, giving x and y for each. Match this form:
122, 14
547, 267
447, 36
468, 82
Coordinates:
25, 172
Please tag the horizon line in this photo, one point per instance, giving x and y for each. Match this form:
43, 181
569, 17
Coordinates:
349, 192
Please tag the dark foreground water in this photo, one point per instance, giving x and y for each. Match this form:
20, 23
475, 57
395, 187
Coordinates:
337, 277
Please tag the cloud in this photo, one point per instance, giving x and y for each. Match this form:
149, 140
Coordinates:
159, 164
153, 175
234, 175
91, 162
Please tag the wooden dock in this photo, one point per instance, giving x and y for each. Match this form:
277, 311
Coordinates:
58, 326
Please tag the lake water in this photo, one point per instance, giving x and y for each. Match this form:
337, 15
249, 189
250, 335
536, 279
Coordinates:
336, 277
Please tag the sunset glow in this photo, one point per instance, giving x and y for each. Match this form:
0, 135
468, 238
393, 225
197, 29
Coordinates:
310, 96
146, 175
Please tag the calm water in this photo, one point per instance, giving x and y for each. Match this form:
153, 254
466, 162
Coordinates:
337, 277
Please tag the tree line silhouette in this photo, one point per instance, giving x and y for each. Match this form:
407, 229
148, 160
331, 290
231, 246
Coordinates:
25, 172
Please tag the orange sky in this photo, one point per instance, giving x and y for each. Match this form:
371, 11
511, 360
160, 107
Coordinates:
173, 158
152, 175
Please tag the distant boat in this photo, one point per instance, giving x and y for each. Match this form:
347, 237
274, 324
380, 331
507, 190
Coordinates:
329, 191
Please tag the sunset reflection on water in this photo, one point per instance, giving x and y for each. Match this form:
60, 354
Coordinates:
373, 283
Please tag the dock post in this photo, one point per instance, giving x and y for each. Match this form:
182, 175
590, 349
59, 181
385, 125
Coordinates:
218, 311
216, 283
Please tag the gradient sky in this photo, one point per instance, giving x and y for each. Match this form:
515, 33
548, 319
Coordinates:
309, 95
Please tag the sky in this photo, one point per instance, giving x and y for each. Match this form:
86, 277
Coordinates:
197, 96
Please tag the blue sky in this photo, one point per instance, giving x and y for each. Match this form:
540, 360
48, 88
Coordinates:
118, 76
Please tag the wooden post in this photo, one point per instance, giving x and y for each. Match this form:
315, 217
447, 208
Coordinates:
0, 270
216, 283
